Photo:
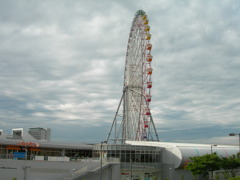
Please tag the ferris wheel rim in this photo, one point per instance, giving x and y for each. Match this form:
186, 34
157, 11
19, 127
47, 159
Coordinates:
136, 77
132, 128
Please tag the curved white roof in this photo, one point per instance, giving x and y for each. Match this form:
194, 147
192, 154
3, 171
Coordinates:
179, 153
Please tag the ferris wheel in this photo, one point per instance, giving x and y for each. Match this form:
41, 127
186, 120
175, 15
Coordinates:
136, 120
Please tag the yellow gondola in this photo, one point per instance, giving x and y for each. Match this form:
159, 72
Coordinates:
148, 36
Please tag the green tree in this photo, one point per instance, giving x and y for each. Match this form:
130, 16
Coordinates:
231, 164
201, 165
182, 177
234, 178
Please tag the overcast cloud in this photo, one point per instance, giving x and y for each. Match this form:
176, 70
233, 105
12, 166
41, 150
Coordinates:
62, 66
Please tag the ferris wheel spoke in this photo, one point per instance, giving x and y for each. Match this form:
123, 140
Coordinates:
134, 104
137, 118
136, 78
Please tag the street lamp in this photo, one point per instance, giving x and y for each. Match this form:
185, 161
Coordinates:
211, 153
101, 154
236, 134
212, 147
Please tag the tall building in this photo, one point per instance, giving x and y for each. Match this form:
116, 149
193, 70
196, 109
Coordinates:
40, 133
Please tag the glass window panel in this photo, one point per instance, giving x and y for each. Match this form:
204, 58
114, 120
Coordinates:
127, 158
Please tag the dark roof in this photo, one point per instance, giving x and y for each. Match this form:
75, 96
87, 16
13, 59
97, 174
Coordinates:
46, 144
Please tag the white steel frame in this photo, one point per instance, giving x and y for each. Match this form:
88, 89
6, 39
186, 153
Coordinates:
136, 122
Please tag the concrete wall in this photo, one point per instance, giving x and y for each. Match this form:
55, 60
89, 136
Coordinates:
169, 172
46, 170
109, 172
171, 159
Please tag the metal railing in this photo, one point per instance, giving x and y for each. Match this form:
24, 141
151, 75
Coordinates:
58, 158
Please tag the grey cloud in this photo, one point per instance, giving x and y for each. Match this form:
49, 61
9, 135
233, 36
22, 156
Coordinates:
62, 63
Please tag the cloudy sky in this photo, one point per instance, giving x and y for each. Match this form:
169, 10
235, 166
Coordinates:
62, 66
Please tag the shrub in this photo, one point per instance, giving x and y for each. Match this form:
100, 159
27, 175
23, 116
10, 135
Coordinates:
234, 178
182, 177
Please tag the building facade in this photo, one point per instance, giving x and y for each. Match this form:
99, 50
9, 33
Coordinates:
135, 160
40, 133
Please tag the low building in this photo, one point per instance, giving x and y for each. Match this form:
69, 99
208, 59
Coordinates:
26, 159
136, 160
175, 156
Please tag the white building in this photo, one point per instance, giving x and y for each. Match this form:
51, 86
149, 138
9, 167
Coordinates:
40, 133
17, 133
136, 160
175, 156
